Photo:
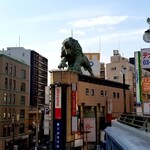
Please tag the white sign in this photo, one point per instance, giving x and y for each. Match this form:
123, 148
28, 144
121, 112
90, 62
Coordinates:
90, 125
74, 124
57, 97
145, 57
146, 108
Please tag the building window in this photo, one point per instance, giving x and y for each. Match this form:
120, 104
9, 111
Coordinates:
114, 95
14, 84
22, 113
23, 86
5, 98
22, 100
10, 84
5, 114
113, 68
6, 83
23, 74
102, 93
9, 99
86, 91
15, 70
21, 128
10, 69
5, 131
116, 77
9, 130
117, 95
106, 93
14, 99
6, 68
92, 92
9, 113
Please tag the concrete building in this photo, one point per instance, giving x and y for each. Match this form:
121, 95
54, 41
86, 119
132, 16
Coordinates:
94, 59
81, 106
38, 79
14, 103
114, 73
38, 71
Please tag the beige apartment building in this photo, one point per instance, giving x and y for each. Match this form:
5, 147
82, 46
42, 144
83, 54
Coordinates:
114, 73
83, 104
14, 103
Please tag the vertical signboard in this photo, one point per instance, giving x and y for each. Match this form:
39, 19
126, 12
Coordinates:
73, 99
57, 102
58, 134
137, 56
47, 94
46, 120
58, 118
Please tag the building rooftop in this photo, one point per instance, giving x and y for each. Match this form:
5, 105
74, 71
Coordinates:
129, 132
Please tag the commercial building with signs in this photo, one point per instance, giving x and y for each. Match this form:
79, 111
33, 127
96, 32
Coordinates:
81, 106
14, 103
114, 73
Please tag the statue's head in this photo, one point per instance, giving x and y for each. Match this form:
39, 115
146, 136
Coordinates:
71, 46
67, 43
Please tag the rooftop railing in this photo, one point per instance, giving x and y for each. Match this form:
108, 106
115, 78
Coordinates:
136, 121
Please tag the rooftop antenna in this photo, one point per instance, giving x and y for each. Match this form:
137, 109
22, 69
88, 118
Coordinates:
71, 33
99, 44
19, 40
118, 45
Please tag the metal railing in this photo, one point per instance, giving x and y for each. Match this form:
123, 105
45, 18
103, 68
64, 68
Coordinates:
136, 121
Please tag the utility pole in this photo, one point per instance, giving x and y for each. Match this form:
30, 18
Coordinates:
13, 130
37, 125
124, 90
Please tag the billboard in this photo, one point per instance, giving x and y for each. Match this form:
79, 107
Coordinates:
145, 58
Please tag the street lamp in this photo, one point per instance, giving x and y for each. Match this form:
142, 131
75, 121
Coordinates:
146, 35
124, 90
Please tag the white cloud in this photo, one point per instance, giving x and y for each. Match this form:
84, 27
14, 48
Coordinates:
104, 20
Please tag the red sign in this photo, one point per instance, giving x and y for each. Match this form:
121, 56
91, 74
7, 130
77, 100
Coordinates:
57, 102
73, 102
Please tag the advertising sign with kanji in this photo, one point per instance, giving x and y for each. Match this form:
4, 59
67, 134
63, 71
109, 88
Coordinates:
57, 102
145, 58
146, 84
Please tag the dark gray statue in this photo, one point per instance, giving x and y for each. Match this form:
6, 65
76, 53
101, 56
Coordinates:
73, 58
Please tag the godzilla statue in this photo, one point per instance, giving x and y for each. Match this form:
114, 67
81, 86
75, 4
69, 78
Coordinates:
73, 58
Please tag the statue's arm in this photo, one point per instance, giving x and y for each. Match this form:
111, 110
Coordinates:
62, 63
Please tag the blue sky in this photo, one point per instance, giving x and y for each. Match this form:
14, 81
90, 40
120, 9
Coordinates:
98, 25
